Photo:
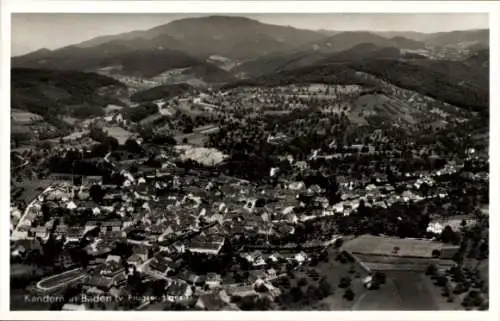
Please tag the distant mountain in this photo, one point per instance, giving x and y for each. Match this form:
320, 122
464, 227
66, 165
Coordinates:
328, 33
364, 51
50, 93
406, 43
346, 40
133, 56
235, 37
232, 37
412, 35
180, 44
456, 37
34, 56
310, 57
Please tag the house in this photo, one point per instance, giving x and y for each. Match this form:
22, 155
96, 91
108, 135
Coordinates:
300, 257
91, 225
205, 246
75, 233
113, 258
40, 231
256, 275
135, 260
271, 273
213, 280
100, 282
94, 180
141, 251
114, 226
61, 230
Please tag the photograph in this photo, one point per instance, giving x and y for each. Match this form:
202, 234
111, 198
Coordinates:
215, 161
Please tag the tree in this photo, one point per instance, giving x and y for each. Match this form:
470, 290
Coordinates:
46, 211
379, 277
302, 282
324, 288
396, 249
349, 294
431, 270
296, 294
436, 253
441, 281
448, 235
313, 293
96, 193
345, 282
132, 146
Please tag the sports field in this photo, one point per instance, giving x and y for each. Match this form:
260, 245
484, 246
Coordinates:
61, 279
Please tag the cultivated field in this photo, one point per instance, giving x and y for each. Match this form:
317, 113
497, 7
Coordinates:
368, 244
402, 291
394, 263
23, 117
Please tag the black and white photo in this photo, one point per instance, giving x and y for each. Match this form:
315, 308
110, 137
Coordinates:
249, 161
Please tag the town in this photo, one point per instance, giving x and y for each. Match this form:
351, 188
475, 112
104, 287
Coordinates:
246, 211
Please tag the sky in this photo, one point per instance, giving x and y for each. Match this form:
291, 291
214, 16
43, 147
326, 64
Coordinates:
32, 31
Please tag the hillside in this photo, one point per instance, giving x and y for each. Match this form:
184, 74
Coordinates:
166, 91
139, 60
363, 52
454, 82
50, 93
340, 74
149, 63
347, 40
405, 43
479, 59
344, 46
457, 37
450, 81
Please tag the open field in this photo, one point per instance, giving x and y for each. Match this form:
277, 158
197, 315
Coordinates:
402, 291
334, 271
195, 139
368, 244
394, 263
119, 133
33, 187
23, 117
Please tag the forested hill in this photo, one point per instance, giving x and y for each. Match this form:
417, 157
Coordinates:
52, 92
